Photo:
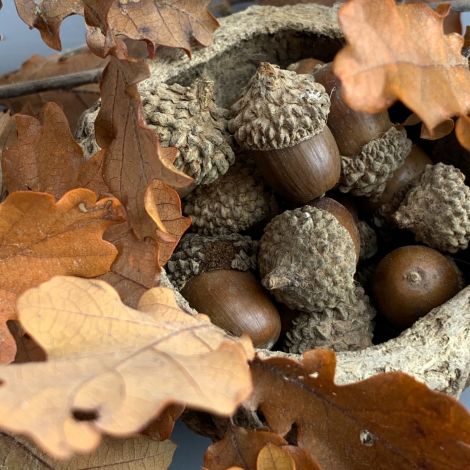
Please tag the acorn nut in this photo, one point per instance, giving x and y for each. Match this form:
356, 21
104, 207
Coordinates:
412, 280
437, 209
371, 147
213, 275
308, 65
307, 260
234, 203
281, 121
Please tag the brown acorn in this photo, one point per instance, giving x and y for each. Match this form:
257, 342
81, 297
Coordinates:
411, 281
281, 121
371, 147
235, 301
213, 275
343, 216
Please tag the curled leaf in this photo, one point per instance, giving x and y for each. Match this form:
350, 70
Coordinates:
111, 368
163, 205
401, 52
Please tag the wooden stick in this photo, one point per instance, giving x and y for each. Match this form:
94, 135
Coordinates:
67, 81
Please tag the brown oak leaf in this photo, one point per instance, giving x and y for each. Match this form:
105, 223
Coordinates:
179, 23
112, 454
41, 238
163, 205
272, 457
112, 369
133, 157
401, 52
136, 267
387, 421
73, 101
45, 157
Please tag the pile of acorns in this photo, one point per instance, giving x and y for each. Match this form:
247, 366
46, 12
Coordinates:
273, 257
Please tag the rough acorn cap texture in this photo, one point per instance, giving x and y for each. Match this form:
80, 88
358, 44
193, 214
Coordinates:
235, 202
437, 209
346, 327
278, 109
183, 117
197, 254
307, 259
367, 174
368, 240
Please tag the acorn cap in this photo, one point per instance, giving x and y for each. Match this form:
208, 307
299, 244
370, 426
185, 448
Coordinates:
307, 259
346, 327
235, 202
197, 254
368, 239
367, 173
278, 109
437, 209
189, 119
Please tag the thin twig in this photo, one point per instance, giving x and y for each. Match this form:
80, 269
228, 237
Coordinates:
70, 80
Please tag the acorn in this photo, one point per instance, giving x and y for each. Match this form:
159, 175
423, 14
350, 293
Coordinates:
437, 209
343, 216
305, 66
185, 117
412, 280
281, 121
346, 327
234, 203
400, 183
215, 276
368, 238
307, 260
371, 147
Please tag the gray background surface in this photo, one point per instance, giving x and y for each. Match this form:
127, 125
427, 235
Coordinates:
18, 44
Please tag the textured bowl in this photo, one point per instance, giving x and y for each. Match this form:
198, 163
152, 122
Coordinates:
436, 349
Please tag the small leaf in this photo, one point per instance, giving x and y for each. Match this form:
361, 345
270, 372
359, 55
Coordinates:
112, 369
163, 205
132, 150
45, 156
42, 238
272, 457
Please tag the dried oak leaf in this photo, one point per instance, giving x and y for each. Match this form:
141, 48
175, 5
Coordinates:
133, 156
47, 16
74, 101
41, 238
387, 421
135, 269
45, 157
163, 205
401, 52
250, 449
113, 454
111, 368
179, 23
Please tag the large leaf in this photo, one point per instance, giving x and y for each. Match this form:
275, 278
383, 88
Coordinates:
45, 156
111, 368
133, 157
387, 421
401, 52
41, 238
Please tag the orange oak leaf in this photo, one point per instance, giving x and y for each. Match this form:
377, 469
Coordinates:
41, 238
179, 23
387, 421
401, 52
45, 157
112, 369
133, 158
47, 16
163, 205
